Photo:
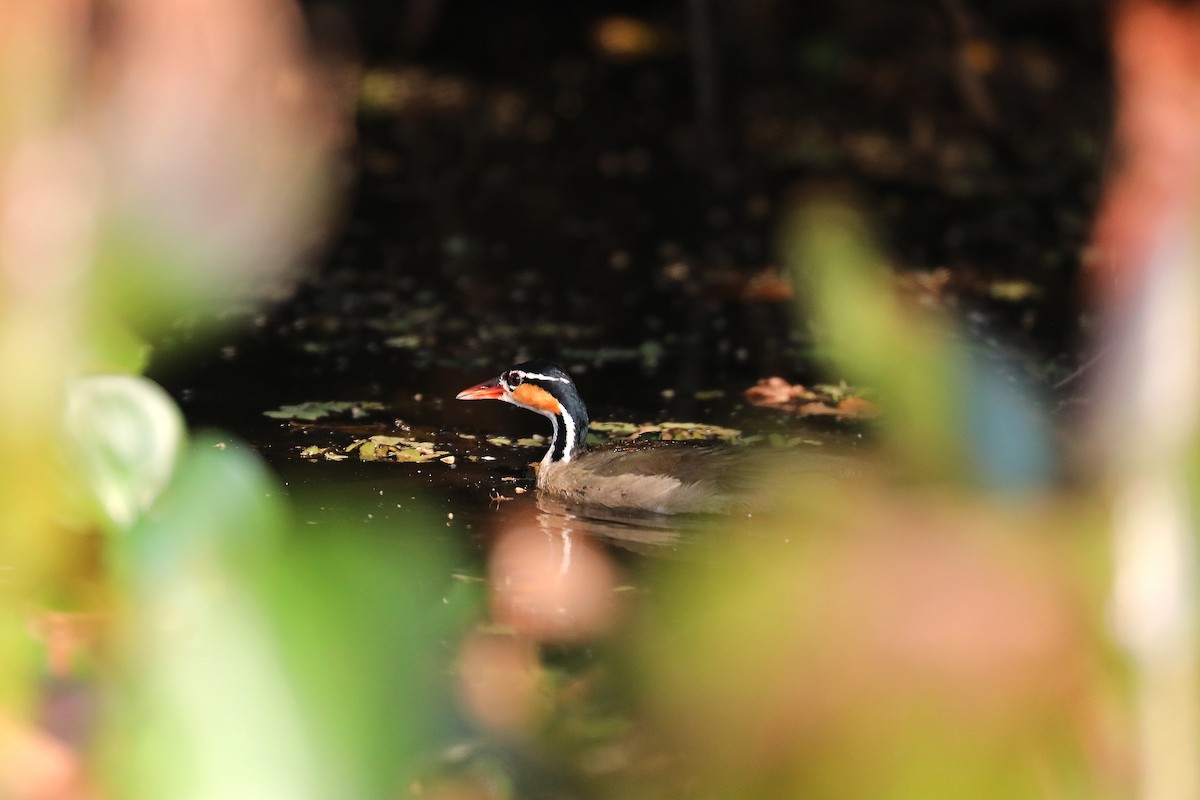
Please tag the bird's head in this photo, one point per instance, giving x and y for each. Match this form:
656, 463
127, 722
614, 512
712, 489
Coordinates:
543, 387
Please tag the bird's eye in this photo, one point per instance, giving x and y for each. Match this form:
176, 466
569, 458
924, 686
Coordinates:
514, 379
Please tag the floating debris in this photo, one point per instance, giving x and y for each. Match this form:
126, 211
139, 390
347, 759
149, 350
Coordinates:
665, 431
406, 342
380, 448
319, 410
1014, 291
537, 440
836, 400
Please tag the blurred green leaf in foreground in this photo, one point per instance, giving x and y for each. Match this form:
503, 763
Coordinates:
165, 164
263, 659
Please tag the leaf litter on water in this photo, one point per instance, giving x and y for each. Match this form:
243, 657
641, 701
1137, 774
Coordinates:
834, 400
398, 449
527, 441
665, 431
314, 410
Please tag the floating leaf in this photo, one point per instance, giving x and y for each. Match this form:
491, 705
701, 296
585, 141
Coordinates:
833, 400
613, 428
379, 448
393, 440
818, 409
1014, 291
314, 410
697, 430
857, 407
663, 430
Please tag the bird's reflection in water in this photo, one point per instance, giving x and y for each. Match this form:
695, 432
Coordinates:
553, 578
553, 572
639, 532
552, 582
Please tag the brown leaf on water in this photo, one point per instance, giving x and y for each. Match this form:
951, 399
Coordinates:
816, 410
768, 286
773, 392
857, 407
837, 400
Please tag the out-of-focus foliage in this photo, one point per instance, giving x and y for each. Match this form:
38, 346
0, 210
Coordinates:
898, 352
123, 436
248, 649
210, 154
951, 415
169, 162
260, 659
893, 646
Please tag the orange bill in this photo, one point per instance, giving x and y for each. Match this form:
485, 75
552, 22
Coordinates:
488, 390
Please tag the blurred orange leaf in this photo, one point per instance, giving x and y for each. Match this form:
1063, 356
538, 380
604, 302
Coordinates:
836, 401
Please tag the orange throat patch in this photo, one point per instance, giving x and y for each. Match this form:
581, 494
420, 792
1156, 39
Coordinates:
537, 398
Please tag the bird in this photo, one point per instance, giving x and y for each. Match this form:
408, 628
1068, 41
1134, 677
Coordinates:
654, 477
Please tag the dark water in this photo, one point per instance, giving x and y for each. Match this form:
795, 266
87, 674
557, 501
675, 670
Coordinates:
488, 486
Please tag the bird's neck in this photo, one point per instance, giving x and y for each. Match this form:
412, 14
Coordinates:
568, 437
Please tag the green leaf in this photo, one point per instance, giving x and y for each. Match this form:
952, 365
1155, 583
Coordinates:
379, 448
264, 657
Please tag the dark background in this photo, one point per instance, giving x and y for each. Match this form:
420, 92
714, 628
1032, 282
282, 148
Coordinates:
522, 184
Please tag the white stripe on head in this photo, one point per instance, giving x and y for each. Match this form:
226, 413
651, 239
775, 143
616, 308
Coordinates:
537, 376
